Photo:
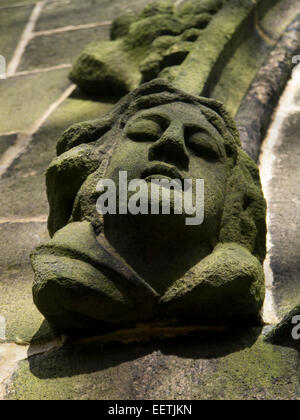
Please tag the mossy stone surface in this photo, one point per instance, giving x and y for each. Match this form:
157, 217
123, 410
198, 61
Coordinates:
202, 67
26, 180
7, 141
240, 70
26, 177
213, 48
234, 366
13, 22
270, 22
22, 320
192, 7
77, 12
284, 217
99, 67
225, 367
56, 49
14, 116
145, 129
121, 25
12, 3
159, 37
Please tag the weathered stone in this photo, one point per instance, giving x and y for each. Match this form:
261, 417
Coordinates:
204, 48
21, 319
283, 335
7, 4
234, 366
255, 112
121, 25
25, 179
23, 203
76, 12
211, 274
14, 116
201, 70
203, 368
277, 18
56, 49
13, 22
284, 216
144, 46
7, 141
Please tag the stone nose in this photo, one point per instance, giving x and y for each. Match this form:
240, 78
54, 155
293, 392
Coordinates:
170, 148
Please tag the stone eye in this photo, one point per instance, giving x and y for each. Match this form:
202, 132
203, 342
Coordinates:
143, 130
203, 146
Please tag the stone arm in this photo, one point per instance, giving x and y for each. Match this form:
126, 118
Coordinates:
226, 286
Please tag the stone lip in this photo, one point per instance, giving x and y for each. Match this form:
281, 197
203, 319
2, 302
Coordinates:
147, 332
163, 169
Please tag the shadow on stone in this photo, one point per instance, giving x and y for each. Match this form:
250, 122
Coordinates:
74, 360
79, 94
44, 334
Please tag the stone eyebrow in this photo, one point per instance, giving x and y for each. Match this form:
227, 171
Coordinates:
216, 120
161, 119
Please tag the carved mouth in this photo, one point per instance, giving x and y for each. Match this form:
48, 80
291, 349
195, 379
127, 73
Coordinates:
162, 171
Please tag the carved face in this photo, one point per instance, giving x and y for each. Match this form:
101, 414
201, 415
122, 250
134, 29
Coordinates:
175, 141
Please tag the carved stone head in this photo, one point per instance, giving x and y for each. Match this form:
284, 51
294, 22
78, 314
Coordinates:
207, 273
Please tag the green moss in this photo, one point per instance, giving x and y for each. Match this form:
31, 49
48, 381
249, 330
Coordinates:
239, 72
215, 265
121, 25
144, 32
27, 90
162, 7
7, 3
193, 7
74, 167
79, 12
200, 38
271, 24
73, 373
261, 372
6, 142
229, 279
13, 22
56, 49
200, 368
106, 68
143, 49
26, 179
202, 67
16, 305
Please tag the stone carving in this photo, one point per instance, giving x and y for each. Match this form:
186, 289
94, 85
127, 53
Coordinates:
102, 273
143, 47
